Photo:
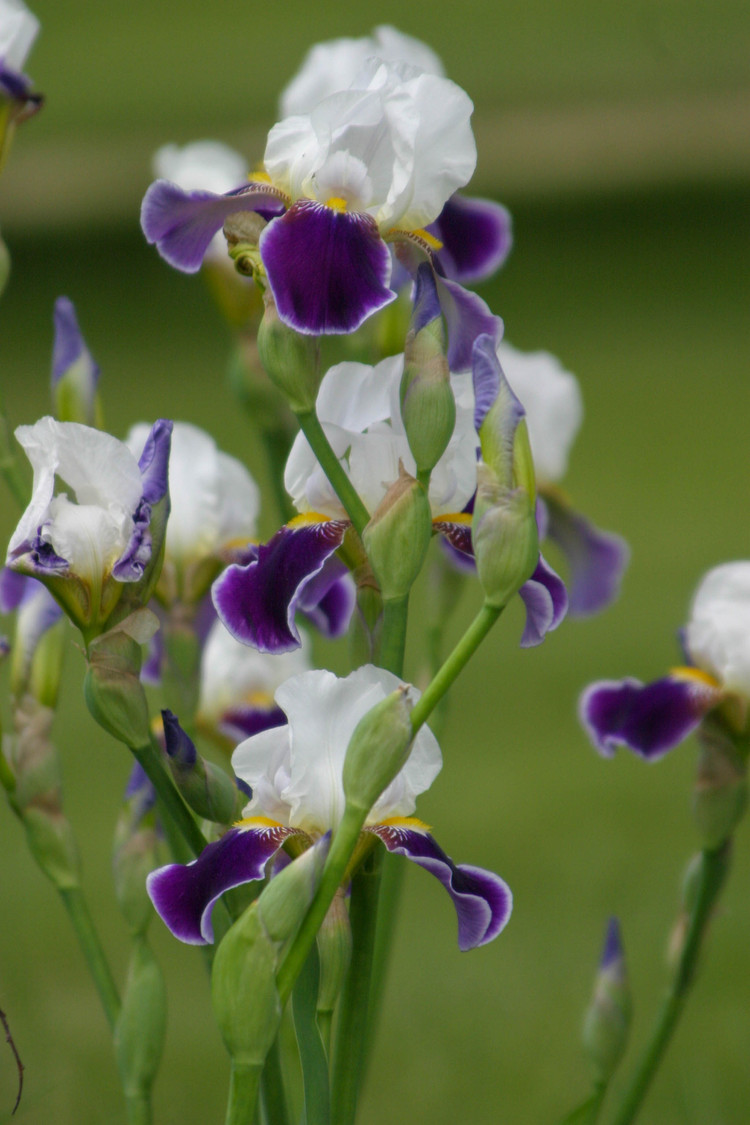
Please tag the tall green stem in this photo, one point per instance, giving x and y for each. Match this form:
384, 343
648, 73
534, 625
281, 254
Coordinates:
244, 1083
138, 1109
713, 871
333, 469
88, 939
393, 647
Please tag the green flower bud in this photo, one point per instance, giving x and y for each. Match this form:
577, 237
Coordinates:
720, 793
504, 536
428, 406
135, 852
207, 789
398, 535
112, 689
291, 360
141, 1026
607, 1021
334, 952
377, 749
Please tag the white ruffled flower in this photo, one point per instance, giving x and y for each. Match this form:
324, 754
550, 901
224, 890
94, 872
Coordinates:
554, 408
334, 65
359, 409
18, 30
717, 635
395, 146
295, 771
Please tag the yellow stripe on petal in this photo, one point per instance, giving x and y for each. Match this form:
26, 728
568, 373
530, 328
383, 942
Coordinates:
421, 237
696, 676
336, 203
257, 822
306, 519
403, 822
463, 519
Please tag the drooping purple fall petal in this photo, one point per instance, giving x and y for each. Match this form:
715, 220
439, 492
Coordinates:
597, 559
546, 601
476, 237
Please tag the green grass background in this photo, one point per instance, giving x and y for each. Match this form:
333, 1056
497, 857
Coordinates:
642, 291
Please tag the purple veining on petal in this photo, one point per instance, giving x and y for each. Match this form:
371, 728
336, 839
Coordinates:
40, 555
476, 235
182, 223
154, 461
14, 588
328, 598
184, 895
328, 270
648, 718
426, 303
242, 721
546, 601
467, 317
483, 900
69, 344
257, 603
458, 537
136, 556
597, 559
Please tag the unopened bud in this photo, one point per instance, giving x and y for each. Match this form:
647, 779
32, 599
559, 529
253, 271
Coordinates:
134, 853
607, 1022
75, 375
378, 749
720, 793
207, 789
113, 691
505, 538
398, 535
291, 360
334, 952
428, 406
141, 1025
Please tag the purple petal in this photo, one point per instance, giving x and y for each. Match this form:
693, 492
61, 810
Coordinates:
456, 534
243, 721
426, 303
476, 237
154, 461
597, 559
483, 901
328, 598
17, 87
182, 223
184, 895
137, 555
467, 316
69, 345
612, 954
14, 588
328, 270
546, 601
257, 602
648, 718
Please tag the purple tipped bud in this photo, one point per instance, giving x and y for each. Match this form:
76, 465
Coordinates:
207, 789
428, 408
75, 375
134, 851
607, 1021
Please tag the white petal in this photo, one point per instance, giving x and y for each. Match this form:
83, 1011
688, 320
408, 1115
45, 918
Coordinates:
209, 165
554, 407
263, 762
89, 537
18, 30
718, 633
354, 395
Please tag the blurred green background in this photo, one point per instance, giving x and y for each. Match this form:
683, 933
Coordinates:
618, 135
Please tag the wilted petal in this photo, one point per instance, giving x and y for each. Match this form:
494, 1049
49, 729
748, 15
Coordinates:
597, 559
649, 718
257, 603
328, 270
546, 601
184, 895
476, 237
483, 901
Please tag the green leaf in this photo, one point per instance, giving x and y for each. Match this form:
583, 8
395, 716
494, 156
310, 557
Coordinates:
311, 1050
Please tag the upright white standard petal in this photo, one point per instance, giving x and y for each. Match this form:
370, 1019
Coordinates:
553, 404
214, 499
89, 536
234, 675
295, 771
18, 30
333, 65
210, 165
717, 636
395, 145
360, 412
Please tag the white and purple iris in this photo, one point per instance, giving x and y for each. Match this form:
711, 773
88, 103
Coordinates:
367, 166
653, 718
86, 549
554, 411
295, 772
18, 30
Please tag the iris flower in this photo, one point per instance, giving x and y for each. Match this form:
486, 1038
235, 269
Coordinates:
18, 30
295, 773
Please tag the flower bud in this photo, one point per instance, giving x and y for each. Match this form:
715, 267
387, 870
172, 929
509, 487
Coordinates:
607, 1022
246, 1001
720, 792
504, 536
334, 952
377, 749
428, 407
134, 852
291, 360
75, 375
398, 535
141, 1025
206, 788
112, 689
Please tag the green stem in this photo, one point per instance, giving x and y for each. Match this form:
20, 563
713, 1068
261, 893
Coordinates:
713, 871
138, 1109
342, 848
331, 466
395, 616
454, 664
273, 1095
392, 876
244, 1083
354, 1006
88, 939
